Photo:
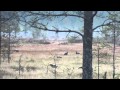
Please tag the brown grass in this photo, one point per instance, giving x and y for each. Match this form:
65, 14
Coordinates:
36, 58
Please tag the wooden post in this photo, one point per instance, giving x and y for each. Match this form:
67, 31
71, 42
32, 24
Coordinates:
20, 64
98, 56
55, 67
9, 46
114, 54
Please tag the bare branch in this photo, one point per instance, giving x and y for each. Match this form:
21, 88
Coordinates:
43, 27
107, 24
117, 21
67, 34
114, 20
109, 12
3, 20
46, 29
56, 15
95, 13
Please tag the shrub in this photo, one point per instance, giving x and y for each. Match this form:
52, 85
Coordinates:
74, 39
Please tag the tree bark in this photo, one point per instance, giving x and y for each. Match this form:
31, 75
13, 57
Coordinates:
0, 37
87, 45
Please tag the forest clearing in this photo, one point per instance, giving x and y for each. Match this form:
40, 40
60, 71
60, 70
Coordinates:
36, 60
59, 44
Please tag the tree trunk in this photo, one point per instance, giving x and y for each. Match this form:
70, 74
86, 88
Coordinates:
9, 46
87, 45
0, 38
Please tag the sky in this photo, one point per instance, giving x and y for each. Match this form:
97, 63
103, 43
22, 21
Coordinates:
66, 23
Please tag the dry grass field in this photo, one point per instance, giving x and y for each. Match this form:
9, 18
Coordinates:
36, 60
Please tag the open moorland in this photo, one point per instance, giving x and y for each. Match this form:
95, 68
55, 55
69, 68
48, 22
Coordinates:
34, 61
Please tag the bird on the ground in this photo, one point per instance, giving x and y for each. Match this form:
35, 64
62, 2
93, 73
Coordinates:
80, 67
77, 52
66, 53
16, 50
59, 57
53, 65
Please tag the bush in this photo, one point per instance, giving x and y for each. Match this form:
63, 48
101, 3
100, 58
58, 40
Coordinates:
74, 39
43, 42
